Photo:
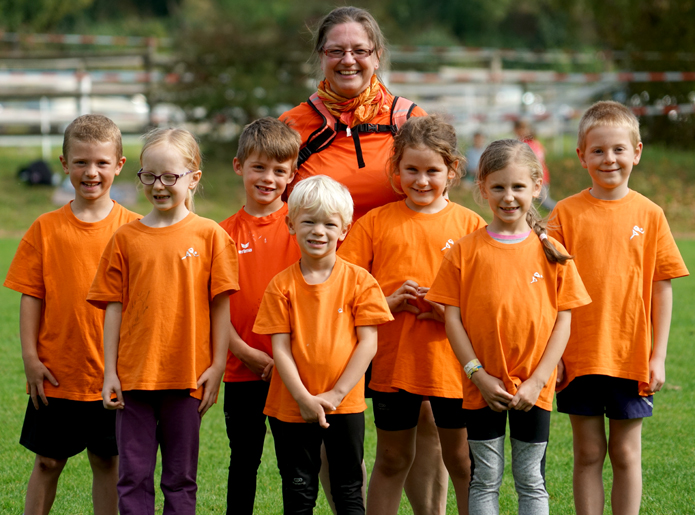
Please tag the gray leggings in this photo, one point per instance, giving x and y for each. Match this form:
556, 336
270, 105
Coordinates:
529, 433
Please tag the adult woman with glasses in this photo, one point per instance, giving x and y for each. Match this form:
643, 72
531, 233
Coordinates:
347, 129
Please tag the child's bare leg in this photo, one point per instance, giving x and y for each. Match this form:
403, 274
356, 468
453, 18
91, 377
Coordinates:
428, 481
590, 446
324, 476
105, 478
43, 483
458, 463
395, 452
625, 451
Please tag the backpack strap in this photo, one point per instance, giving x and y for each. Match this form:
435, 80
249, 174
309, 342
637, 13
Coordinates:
322, 137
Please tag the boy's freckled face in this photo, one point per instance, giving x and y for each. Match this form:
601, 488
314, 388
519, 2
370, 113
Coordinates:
92, 167
317, 233
609, 156
265, 179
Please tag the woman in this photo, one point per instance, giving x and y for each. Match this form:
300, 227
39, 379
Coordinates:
347, 131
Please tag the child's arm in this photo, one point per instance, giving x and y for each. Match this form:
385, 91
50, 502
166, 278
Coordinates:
112, 336
662, 306
357, 366
220, 327
491, 388
36, 372
528, 391
255, 360
311, 407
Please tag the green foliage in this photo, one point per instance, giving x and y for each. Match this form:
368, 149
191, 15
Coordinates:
37, 15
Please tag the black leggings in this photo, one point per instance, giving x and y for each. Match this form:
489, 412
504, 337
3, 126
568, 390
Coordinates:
298, 451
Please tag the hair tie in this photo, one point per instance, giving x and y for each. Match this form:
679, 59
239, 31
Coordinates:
542, 236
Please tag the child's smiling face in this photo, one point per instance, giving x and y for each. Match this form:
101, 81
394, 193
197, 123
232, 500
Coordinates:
92, 167
424, 177
317, 233
167, 159
609, 155
510, 193
265, 179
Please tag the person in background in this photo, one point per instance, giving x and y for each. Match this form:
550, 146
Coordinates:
524, 132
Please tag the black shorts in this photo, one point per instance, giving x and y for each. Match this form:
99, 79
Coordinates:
596, 395
397, 411
65, 428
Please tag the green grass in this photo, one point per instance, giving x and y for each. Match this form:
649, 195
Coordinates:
668, 437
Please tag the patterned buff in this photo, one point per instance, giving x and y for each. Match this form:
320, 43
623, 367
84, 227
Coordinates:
357, 110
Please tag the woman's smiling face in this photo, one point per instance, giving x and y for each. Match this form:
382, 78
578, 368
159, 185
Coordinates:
348, 76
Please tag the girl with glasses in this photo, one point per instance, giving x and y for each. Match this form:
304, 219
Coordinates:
164, 282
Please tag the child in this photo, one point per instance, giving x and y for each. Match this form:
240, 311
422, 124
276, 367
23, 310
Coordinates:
60, 333
627, 257
322, 313
402, 244
165, 283
508, 291
266, 160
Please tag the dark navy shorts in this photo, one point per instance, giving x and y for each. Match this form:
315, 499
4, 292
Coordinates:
65, 428
595, 395
397, 411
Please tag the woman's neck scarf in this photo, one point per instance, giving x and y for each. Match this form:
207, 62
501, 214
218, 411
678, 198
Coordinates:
354, 111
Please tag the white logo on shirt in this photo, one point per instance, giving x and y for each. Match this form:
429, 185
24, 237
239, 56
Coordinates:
340, 310
245, 248
535, 278
448, 245
190, 253
636, 231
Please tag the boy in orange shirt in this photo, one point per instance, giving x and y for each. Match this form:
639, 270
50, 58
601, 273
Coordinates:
266, 160
61, 334
322, 313
626, 256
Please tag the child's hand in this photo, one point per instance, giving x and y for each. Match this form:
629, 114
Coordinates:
314, 408
526, 395
492, 390
657, 374
112, 385
398, 300
560, 371
437, 312
257, 362
36, 372
332, 397
210, 381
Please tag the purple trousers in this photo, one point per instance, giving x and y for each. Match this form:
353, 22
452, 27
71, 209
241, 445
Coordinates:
165, 418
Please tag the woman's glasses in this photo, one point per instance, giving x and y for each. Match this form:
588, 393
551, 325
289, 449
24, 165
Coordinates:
167, 179
339, 53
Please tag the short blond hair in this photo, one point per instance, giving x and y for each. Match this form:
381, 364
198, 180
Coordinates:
271, 138
608, 113
92, 128
185, 143
323, 195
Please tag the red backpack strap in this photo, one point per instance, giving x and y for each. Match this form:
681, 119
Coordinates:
401, 109
322, 137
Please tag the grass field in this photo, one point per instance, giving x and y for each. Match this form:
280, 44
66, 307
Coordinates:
666, 176
668, 437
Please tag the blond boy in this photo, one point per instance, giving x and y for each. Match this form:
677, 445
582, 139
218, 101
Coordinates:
266, 161
60, 333
322, 313
626, 256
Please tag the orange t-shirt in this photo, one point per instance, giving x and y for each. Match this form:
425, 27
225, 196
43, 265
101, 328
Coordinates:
165, 278
395, 244
369, 186
621, 247
56, 262
321, 320
265, 248
509, 295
